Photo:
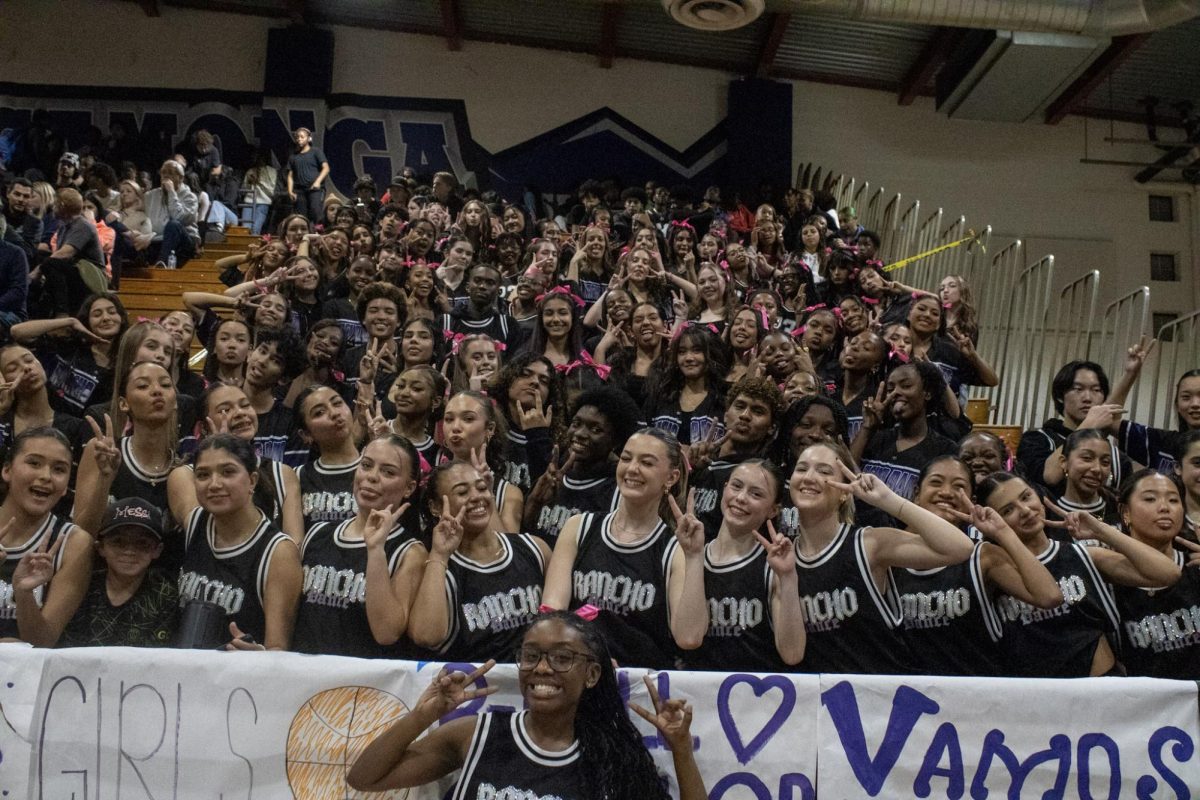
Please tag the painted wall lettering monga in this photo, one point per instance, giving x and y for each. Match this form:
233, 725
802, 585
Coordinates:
377, 136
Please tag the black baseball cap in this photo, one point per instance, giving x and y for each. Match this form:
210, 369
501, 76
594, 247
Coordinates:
132, 512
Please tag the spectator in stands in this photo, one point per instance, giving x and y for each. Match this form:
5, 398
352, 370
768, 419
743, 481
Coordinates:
269, 581
24, 226
68, 174
473, 564
260, 181
130, 601
445, 187
47, 559
172, 210
14, 284
102, 180
1079, 391
307, 170
77, 249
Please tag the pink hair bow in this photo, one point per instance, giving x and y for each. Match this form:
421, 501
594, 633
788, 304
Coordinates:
812, 308
585, 360
875, 262
563, 290
899, 356
799, 332
947, 305
587, 612
423, 464
455, 339
871, 301
146, 319
500, 346
723, 264
266, 239
682, 223
762, 313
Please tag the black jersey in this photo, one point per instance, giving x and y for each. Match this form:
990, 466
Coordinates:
344, 313
1059, 642
950, 622
332, 619
688, 426
516, 463
900, 469
132, 480
851, 625
628, 583
499, 327
327, 492
577, 496
503, 763
51, 529
73, 379
274, 432
491, 605
1038, 445
741, 633
956, 368
1160, 628
234, 578
1154, 447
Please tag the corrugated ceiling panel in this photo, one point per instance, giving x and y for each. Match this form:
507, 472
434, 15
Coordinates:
565, 23
866, 50
1166, 66
648, 29
408, 13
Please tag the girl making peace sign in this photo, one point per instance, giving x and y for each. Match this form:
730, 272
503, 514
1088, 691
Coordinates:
573, 740
45, 562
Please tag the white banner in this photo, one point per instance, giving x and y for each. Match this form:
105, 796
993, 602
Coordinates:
118, 723
998, 737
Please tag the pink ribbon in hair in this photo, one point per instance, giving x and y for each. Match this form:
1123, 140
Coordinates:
799, 332
500, 346
423, 464
564, 291
947, 305
723, 264
812, 308
145, 319
585, 360
871, 301
682, 223
455, 339
266, 239
899, 356
762, 313
586, 612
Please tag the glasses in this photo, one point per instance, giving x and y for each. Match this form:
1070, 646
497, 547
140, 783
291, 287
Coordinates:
561, 660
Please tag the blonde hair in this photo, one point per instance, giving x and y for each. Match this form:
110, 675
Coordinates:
846, 509
45, 191
137, 189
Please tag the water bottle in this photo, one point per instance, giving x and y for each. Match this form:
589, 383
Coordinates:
171, 262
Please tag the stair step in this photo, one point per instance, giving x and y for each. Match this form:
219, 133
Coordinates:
142, 286
168, 276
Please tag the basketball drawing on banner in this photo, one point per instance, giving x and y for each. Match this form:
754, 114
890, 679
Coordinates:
329, 732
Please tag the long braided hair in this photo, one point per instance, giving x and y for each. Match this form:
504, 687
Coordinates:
615, 763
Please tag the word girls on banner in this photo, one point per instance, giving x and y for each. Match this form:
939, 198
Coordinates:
116, 722
997, 737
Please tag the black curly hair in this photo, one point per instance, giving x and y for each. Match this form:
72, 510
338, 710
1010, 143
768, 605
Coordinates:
612, 756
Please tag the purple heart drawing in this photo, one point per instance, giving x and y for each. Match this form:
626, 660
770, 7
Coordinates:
745, 751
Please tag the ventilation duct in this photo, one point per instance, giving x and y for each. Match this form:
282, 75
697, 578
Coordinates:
1099, 18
